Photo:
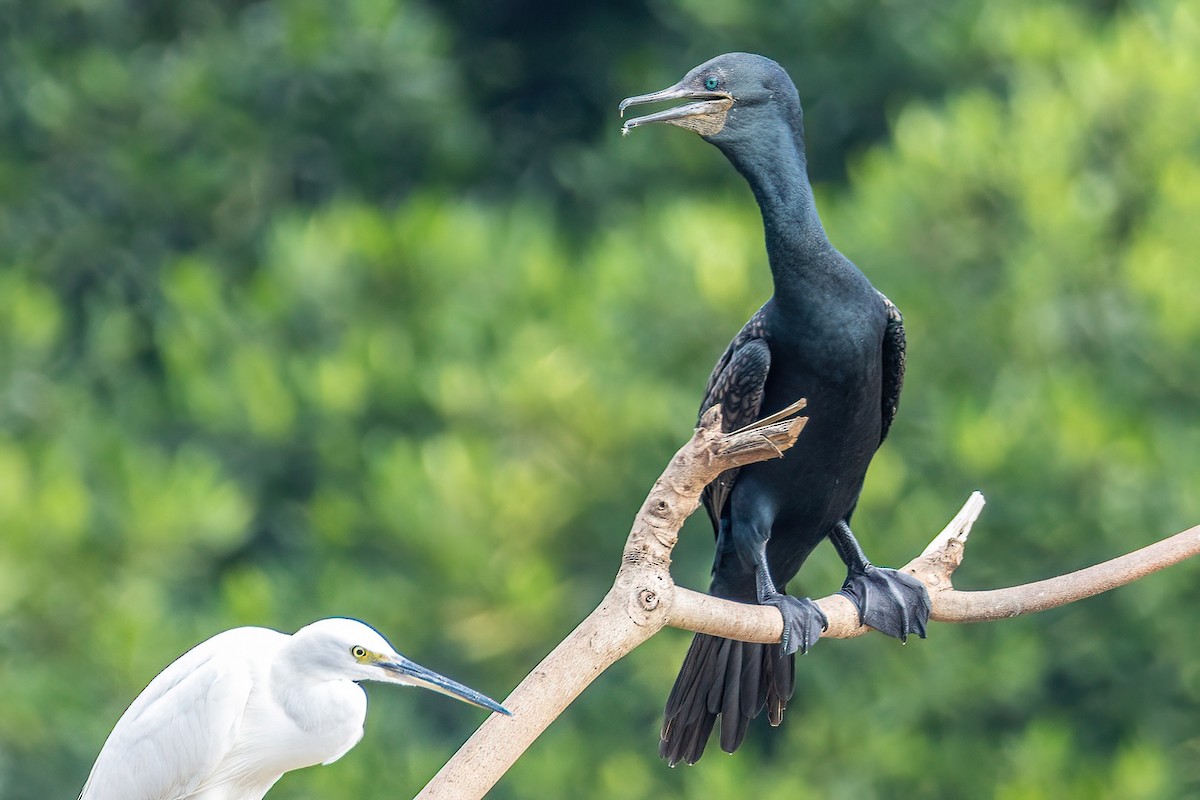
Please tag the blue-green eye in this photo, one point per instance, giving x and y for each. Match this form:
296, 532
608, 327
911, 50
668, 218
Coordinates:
711, 83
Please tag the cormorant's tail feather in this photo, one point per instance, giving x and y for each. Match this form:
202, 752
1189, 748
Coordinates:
780, 672
725, 678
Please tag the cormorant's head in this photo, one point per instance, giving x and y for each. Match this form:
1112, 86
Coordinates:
731, 95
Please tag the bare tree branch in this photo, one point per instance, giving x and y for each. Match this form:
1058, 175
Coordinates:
644, 599
955, 606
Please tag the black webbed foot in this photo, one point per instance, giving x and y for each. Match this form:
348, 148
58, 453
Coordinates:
889, 601
803, 621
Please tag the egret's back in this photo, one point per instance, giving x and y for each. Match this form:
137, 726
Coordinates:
170, 740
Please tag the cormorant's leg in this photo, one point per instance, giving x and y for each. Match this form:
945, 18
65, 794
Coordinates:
803, 619
889, 601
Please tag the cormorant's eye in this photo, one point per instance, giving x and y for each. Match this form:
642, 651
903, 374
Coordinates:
711, 83
358, 652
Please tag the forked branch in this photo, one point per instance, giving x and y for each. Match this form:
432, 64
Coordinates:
644, 598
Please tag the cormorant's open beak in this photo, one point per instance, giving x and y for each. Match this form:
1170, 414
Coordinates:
401, 670
706, 116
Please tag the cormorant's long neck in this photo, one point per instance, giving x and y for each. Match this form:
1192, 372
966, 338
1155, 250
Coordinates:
774, 164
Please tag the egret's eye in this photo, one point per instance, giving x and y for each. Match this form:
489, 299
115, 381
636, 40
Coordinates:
711, 83
358, 652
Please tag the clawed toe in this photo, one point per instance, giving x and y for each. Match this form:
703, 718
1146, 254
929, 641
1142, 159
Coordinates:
803, 622
889, 601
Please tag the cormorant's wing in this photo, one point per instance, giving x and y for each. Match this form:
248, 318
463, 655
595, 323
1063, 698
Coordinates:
737, 382
893, 365
181, 726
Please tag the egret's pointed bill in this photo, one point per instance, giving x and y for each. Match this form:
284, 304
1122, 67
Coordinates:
412, 673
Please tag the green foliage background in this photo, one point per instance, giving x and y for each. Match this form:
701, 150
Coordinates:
366, 309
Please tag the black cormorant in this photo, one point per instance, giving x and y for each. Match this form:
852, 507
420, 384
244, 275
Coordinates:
826, 335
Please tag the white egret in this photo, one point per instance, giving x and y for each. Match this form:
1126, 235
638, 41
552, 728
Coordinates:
230, 716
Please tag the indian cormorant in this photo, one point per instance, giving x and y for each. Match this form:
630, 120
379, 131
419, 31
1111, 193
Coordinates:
826, 335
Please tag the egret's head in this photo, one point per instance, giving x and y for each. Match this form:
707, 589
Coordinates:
731, 96
349, 649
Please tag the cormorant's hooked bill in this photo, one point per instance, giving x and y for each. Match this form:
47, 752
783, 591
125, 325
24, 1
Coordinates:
708, 112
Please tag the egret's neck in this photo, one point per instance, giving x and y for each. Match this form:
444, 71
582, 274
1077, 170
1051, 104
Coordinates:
776, 168
316, 701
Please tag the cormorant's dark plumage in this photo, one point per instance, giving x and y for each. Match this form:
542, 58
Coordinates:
826, 335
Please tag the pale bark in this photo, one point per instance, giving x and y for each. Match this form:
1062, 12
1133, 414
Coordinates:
644, 598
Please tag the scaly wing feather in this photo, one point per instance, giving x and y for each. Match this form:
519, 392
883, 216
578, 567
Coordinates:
738, 383
894, 345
